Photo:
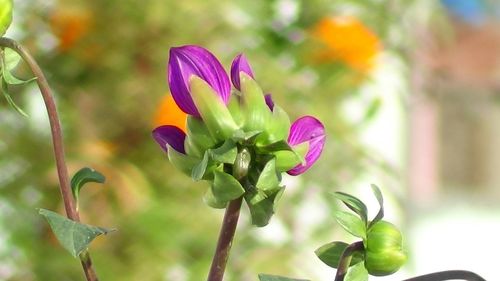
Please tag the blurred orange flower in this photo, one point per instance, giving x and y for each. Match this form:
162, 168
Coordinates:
168, 113
348, 40
70, 24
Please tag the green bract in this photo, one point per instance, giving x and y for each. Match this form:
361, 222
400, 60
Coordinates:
5, 15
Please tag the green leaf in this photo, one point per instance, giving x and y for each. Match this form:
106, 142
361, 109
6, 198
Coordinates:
213, 202
9, 99
11, 79
357, 272
330, 254
380, 199
181, 161
200, 169
268, 179
226, 153
273, 147
225, 187
279, 126
351, 224
354, 204
247, 137
11, 58
83, 176
261, 207
267, 277
286, 160
198, 134
74, 237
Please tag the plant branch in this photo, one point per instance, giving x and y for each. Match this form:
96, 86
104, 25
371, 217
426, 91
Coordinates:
345, 259
225, 241
57, 141
448, 275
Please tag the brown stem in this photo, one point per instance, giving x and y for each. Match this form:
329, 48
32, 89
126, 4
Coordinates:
55, 127
345, 259
448, 275
225, 240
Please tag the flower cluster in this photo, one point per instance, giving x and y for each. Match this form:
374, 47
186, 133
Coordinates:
240, 141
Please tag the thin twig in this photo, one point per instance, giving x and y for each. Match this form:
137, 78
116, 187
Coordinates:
345, 259
57, 141
224, 243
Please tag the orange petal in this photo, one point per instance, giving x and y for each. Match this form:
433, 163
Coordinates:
168, 113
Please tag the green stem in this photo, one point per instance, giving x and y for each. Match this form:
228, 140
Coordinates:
57, 141
345, 259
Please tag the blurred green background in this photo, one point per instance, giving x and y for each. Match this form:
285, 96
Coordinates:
408, 91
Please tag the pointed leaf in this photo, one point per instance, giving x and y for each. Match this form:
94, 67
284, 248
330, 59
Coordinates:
357, 272
268, 179
267, 277
83, 176
351, 223
11, 79
74, 237
182, 162
11, 58
254, 107
226, 153
380, 199
10, 101
273, 147
354, 204
225, 187
200, 169
247, 137
261, 210
330, 254
213, 202
199, 134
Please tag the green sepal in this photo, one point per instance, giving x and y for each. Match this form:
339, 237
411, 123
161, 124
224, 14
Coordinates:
380, 200
245, 137
357, 272
330, 254
234, 108
198, 134
9, 78
225, 187
254, 108
354, 204
351, 223
191, 148
277, 128
273, 147
212, 109
267, 277
286, 160
83, 176
226, 153
10, 101
75, 237
5, 15
268, 179
210, 199
262, 209
182, 162
200, 169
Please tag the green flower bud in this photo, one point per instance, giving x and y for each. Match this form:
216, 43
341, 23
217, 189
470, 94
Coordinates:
384, 249
5, 15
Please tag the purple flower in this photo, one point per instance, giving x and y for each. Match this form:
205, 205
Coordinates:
170, 135
186, 61
307, 129
240, 63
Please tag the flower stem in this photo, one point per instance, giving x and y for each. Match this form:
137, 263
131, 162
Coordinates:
225, 240
57, 141
345, 259
448, 275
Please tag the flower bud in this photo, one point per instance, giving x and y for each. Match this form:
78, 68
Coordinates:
384, 254
5, 15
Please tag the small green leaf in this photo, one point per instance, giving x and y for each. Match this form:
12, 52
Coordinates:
225, 187
357, 272
181, 161
83, 176
261, 210
11, 79
198, 134
354, 204
11, 58
273, 147
278, 127
286, 160
74, 237
9, 99
247, 137
268, 179
380, 199
330, 254
351, 224
200, 169
267, 277
226, 153
213, 202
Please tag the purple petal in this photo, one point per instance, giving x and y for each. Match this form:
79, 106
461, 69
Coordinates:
240, 63
189, 60
170, 135
307, 129
269, 101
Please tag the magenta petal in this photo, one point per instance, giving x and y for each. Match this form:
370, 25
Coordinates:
307, 129
269, 101
189, 60
240, 63
170, 135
